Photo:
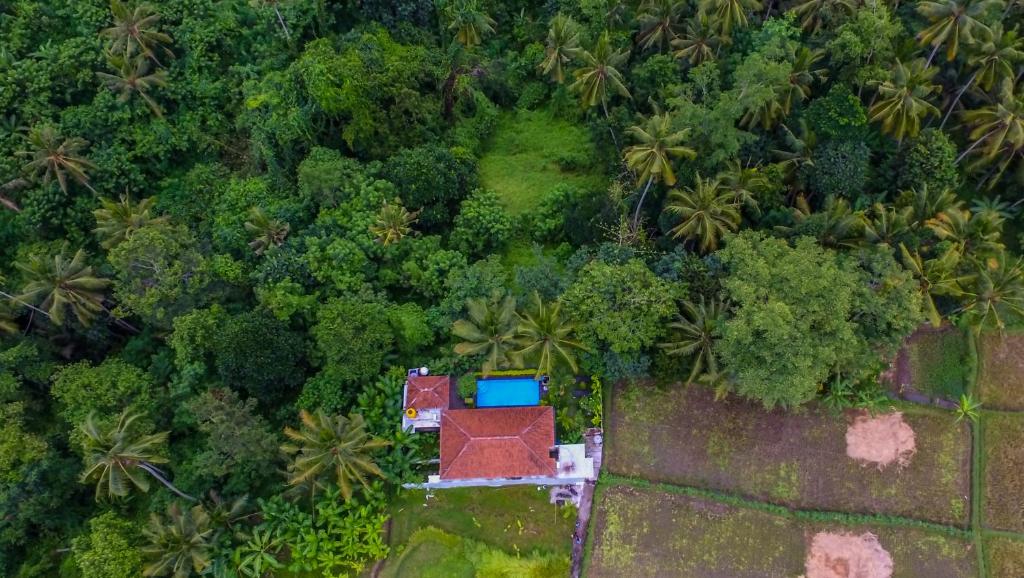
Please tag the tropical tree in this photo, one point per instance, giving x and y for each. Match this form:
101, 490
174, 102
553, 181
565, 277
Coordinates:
275, 5
116, 457
179, 545
746, 183
135, 31
658, 21
469, 23
54, 157
903, 99
699, 41
835, 225
650, 158
814, 14
393, 223
951, 20
117, 221
997, 133
994, 60
336, 446
563, 44
133, 77
257, 556
599, 75
8, 324
545, 337
266, 232
694, 334
978, 234
708, 211
886, 224
490, 330
55, 284
807, 70
728, 14
925, 203
935, 277
994, 294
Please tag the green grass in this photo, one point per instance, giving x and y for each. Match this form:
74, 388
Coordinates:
938, 363
514, 518
433, 553
522, 162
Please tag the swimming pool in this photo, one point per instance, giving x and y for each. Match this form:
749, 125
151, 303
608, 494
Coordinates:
507, 391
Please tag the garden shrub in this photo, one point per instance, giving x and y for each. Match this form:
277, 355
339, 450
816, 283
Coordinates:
483, 225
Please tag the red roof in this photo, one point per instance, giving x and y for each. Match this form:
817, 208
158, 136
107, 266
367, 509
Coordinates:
427, 392
507, 442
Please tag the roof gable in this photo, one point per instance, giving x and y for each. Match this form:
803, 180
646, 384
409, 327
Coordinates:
428, 392
497, 443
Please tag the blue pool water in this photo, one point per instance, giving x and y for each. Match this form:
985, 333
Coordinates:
507, 391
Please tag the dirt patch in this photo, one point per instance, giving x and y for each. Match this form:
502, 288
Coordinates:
847, 556
881, 440
1001, 375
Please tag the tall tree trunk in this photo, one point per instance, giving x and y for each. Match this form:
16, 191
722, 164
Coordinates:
153, 471
284, 26
25, 303
956, 99
640, 203
611, 131
974, 145
932, 55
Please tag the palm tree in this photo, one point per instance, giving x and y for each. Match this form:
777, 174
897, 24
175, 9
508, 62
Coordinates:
133, 77
903, 99
179, 545
934, 277
994, 209
699, 41
995, 294
728, 14
469, 23
746, 183
598, 75
658, 20
135, 31
805, 72
708, 212
951, 20
835, 225
56, 157
490, 331
332, 446
115, 458
926, 203
563, 44
393, 223
813, 14
8, 323
886, 224
998, 129
266, 232
994, 60
57, 283
118, 221
977, 233
651, 157
546, 338
694, 335
257, 557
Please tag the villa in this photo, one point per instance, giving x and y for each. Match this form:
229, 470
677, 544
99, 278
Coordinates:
507, 438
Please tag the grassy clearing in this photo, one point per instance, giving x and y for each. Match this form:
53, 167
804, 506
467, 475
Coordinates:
667, 533
433, 553
1001, 372
938, 363
682, 436
516, 519
531, 153
1004, 471
1005, 557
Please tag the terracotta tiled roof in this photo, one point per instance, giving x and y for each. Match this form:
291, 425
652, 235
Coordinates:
427, 392
504, 442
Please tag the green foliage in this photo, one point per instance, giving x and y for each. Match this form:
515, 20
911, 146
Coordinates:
108, 550
257, 353
352, 339
82, 388
433, 180
838, 115
18, 447
482, 226
929, 162
840, 168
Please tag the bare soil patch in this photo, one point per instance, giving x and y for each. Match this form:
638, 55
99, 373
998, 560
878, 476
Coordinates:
1004, 471
1001, 375
881, 440
833, 555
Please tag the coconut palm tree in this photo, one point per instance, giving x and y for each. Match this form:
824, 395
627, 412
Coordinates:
951, 20
545, 338
926, 203
180, 545
746, 183
997, 132
835, 225
694, 335
335, 447
886, 224
814, 14
116, 221
600, 75
55, 284
135, 31
117, 458
806, 71
994, 60
393, 223
728, 14
133, 77
54, 157
934, 277
658, 21
651, 157
708, 211
266, 232
903, 99
490, 331
995, 293
257, 556
977, 233
469, 23
563, 44
699, 41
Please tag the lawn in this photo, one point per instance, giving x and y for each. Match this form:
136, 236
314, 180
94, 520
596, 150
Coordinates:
1001, 371
531, 153
797, 459
642, 531
433, 553
1004, 471
939, 362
